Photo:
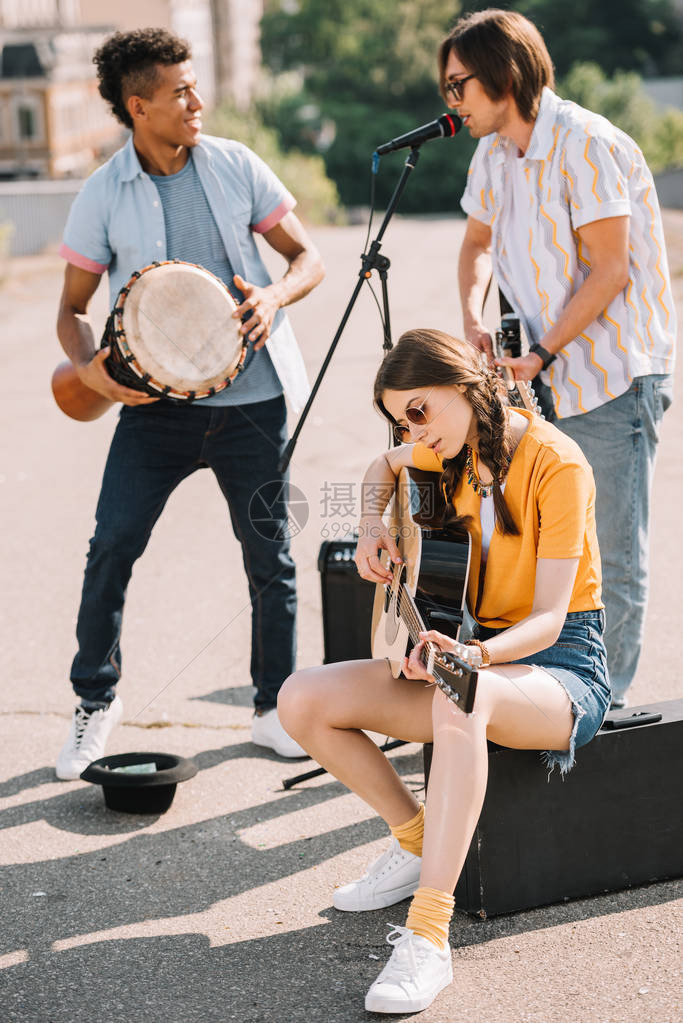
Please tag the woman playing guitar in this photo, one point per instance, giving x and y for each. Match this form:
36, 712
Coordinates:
526, 494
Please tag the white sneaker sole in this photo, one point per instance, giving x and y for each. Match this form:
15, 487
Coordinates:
73, 774
290, 754
379, 901
382, 1003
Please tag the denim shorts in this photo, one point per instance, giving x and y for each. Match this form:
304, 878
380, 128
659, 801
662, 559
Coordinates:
579, 663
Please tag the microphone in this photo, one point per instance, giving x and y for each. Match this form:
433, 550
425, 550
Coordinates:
443, 127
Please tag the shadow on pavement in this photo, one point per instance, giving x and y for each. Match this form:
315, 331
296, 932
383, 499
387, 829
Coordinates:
30, 780
313, 973
82, 811
237, 696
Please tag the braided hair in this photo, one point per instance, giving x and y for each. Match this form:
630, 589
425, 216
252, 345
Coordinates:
431, 358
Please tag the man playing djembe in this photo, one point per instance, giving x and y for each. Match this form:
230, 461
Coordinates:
173, 193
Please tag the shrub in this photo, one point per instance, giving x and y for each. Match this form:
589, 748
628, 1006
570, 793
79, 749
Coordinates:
303, 174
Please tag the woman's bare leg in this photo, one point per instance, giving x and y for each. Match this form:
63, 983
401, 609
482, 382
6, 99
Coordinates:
516, 705
325, 709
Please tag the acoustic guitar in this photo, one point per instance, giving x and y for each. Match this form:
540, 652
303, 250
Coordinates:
428, 589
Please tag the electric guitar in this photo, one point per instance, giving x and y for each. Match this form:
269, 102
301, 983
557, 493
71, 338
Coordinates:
508, 342
428, 589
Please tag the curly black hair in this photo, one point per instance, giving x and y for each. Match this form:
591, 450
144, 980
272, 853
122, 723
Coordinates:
126, 65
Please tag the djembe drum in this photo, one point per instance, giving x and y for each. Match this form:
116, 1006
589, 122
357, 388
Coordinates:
171, 334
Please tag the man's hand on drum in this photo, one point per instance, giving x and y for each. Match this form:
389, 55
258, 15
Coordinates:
258, 310
95, 376
414, 666
373, 534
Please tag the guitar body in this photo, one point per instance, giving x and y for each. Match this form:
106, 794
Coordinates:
75, 399
436, 558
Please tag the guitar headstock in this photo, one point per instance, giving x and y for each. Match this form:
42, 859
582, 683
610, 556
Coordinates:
454, 677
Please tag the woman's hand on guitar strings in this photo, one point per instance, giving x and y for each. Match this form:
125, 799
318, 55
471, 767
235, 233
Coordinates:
414, 666
373, 534
471, 655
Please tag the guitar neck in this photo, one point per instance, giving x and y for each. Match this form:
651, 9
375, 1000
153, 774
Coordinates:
450, 674
521, 394
508, 342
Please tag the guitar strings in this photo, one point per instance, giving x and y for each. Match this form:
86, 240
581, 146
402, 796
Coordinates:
410, 615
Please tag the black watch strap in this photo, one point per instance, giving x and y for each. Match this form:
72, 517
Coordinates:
543, 354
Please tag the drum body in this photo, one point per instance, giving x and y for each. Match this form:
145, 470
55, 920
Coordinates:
172, 333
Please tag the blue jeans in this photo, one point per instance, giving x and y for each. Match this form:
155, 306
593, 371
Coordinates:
578, 661
153, 449
619, 439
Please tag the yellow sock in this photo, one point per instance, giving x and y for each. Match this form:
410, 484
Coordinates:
411, 833
430, 914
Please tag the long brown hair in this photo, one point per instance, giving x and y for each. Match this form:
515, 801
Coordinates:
507, 54
430, 358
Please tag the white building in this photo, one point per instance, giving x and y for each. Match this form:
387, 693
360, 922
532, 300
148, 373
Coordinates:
53, 122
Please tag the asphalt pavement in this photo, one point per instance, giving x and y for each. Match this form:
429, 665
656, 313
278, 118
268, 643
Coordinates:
220, 909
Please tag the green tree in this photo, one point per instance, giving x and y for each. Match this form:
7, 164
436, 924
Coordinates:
622, 101
302, 173
627, 35
383, 50
368, 71
368, 68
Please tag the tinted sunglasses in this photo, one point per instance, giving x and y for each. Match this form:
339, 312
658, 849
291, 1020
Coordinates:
416, 415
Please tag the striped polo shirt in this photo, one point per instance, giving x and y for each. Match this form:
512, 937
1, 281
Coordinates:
578, 169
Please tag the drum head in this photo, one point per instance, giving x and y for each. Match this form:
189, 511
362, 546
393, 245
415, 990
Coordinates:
177, 322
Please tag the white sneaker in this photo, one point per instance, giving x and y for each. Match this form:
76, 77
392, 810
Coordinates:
390, 879
414, 975
87, 738
266, 730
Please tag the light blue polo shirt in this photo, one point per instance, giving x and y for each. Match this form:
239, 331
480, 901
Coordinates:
116, 223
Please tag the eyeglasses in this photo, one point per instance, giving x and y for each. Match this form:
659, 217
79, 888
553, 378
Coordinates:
457, 87
416, 415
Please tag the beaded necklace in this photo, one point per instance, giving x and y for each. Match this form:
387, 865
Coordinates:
483, 489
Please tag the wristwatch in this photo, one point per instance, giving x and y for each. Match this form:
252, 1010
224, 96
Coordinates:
544, 355
485, 654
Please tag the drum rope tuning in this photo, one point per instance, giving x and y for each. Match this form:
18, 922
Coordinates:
171, 334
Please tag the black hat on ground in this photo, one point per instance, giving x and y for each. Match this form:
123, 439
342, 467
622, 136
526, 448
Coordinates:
148, 783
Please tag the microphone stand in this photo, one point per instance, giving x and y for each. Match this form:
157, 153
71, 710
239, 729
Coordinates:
288, 783
370, 260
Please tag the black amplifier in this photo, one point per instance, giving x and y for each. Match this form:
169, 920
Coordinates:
613, 822
346, 603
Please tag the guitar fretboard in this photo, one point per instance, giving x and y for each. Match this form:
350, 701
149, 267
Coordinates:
411, 617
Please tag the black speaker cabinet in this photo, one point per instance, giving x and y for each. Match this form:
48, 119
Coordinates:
613, 822
346, 602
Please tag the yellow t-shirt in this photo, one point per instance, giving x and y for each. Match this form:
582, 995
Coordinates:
550, 492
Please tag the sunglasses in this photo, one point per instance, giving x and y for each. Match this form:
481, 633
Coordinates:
456, 87
416, 415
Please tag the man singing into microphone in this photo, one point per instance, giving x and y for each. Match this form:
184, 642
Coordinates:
562, 205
